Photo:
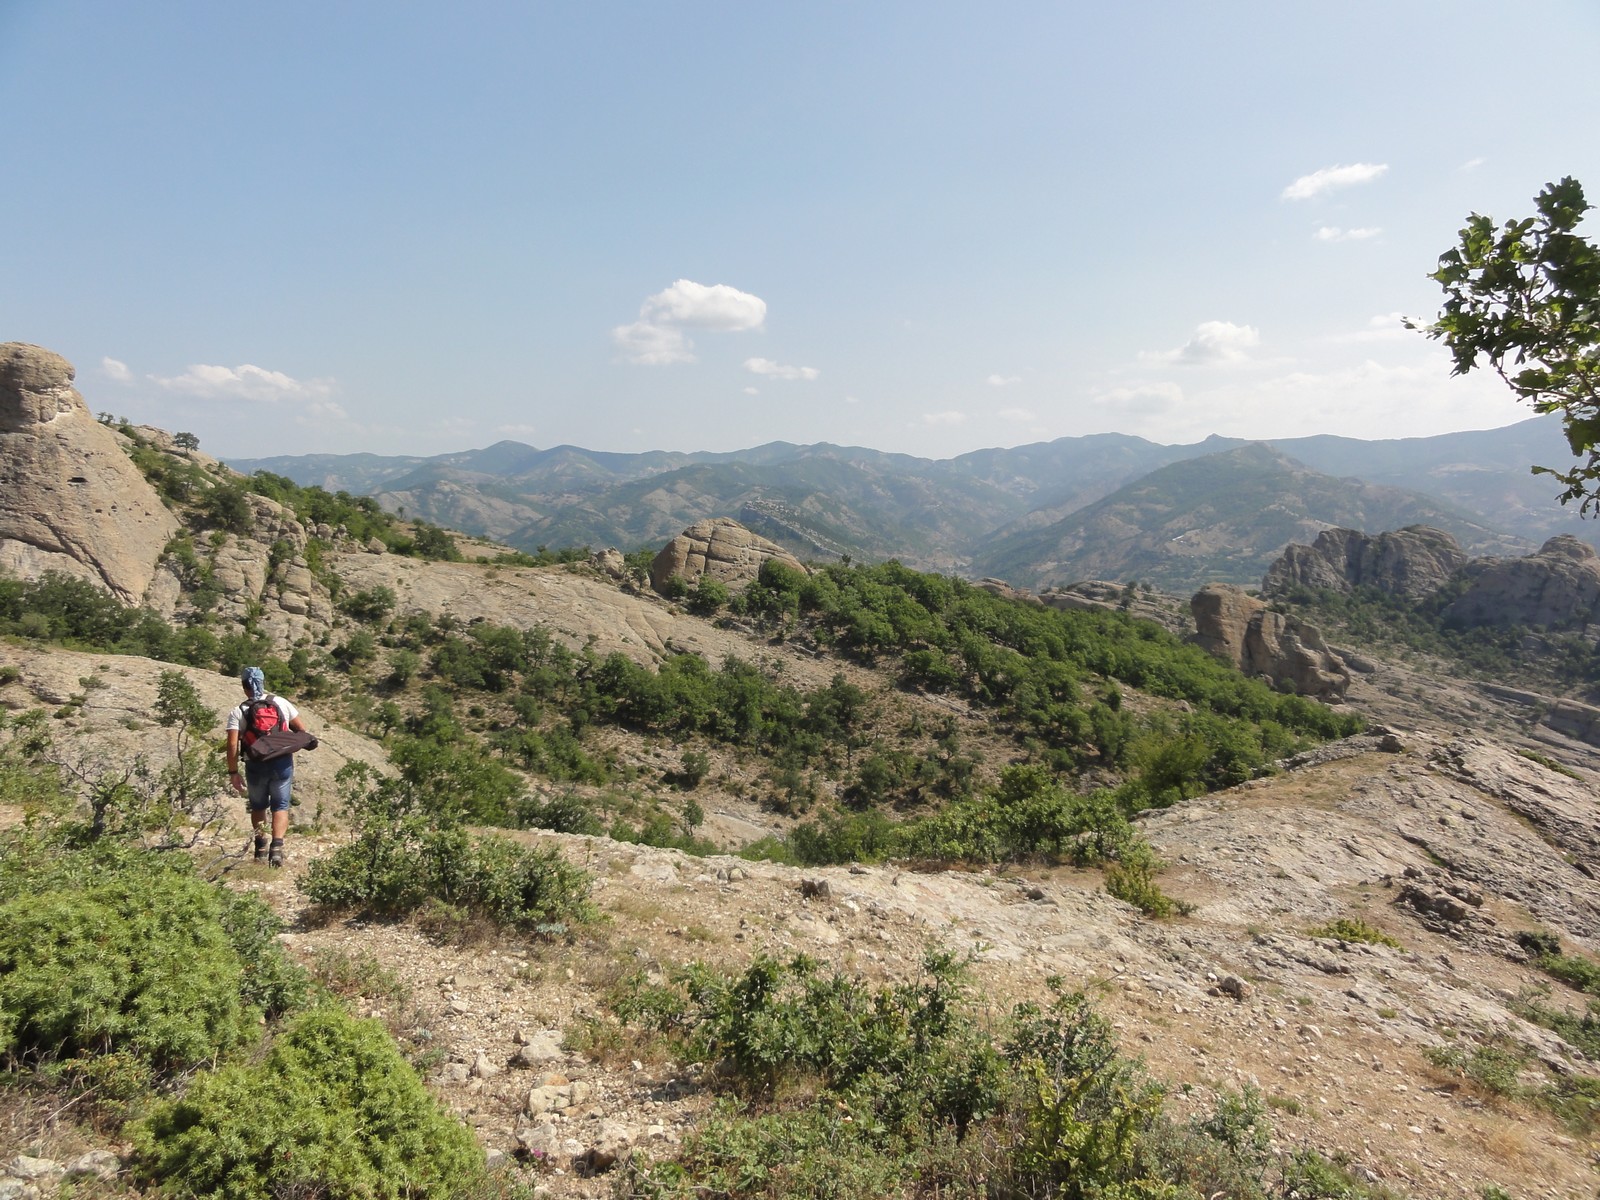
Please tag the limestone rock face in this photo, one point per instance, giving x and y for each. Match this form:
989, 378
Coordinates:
1557, 587
70, 500
1412, 562
721, 548
1283, 649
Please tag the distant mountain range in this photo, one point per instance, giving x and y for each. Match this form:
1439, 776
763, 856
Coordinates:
1106, 506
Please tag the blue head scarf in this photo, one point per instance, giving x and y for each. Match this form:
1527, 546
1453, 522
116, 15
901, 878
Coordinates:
254, 682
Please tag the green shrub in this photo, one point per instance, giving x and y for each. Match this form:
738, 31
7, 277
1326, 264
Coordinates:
1133, 879
1353, 929
332, 1110
412, 846
118, 951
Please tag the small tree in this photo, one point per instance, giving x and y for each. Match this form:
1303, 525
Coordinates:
1526, 300
185, 441
163, 807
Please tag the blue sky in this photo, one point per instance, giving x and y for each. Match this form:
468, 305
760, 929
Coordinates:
924, 227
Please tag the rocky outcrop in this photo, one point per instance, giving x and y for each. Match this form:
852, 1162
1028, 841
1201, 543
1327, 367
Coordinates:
1411, 563
72, 502
721, 548
1282, 649
1558, 587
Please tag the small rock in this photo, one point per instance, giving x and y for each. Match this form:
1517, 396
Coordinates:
1232, 985
482, 1068
454, 1073
26, 1168
815, 889
97, 1164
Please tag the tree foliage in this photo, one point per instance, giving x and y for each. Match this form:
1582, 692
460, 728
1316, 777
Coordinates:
1525, 299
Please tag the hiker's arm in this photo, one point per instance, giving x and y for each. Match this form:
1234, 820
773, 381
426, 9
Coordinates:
234, 778
297, 725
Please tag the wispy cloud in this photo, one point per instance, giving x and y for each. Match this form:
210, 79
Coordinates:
1213, 342
1332, 233
998, 380
1329, 178
517, 430
1472, 164
944, 418
657, 338
773, 370
1141, 399
752, 391
1020, 415
1385, 327
114, 369
247, 382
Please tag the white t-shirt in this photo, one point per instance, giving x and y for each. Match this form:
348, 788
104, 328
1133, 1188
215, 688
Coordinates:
236, 715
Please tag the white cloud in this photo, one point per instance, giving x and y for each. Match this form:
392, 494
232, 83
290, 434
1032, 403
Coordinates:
998, 380
1472, 164
752, 391
1015, 414
245, 382
1329, 178
1213, 342
652, 345
773, 370
944, 418
517, 430
697, 306
1143, 398
116, 370
657, 337
1332, 233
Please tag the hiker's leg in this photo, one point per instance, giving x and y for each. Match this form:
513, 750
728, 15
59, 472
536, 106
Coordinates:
278, 797
256, 798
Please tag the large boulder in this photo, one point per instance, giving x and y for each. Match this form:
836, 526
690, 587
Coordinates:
721, 548
1411, 563
1279, 648
1556, 588
70, 500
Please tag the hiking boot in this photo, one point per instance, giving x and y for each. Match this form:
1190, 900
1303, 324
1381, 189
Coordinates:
275, 854
261, 849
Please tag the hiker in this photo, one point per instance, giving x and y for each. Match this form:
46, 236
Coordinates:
269, 782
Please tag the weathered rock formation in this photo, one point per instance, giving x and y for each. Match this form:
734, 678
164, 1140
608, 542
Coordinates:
1411, 563
1286, 651
721, 548
1557, 587
72, 502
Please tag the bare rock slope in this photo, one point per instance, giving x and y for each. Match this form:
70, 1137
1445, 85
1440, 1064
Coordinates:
73, 501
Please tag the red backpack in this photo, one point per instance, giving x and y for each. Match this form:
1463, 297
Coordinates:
260, 716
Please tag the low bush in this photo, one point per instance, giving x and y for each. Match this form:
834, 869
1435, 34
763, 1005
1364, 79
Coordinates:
114, 951
412, 846
331, 1110
1353, 929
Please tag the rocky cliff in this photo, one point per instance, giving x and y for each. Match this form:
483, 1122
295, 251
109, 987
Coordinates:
1291, 654
1412, 563
73, 501
1557, 588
